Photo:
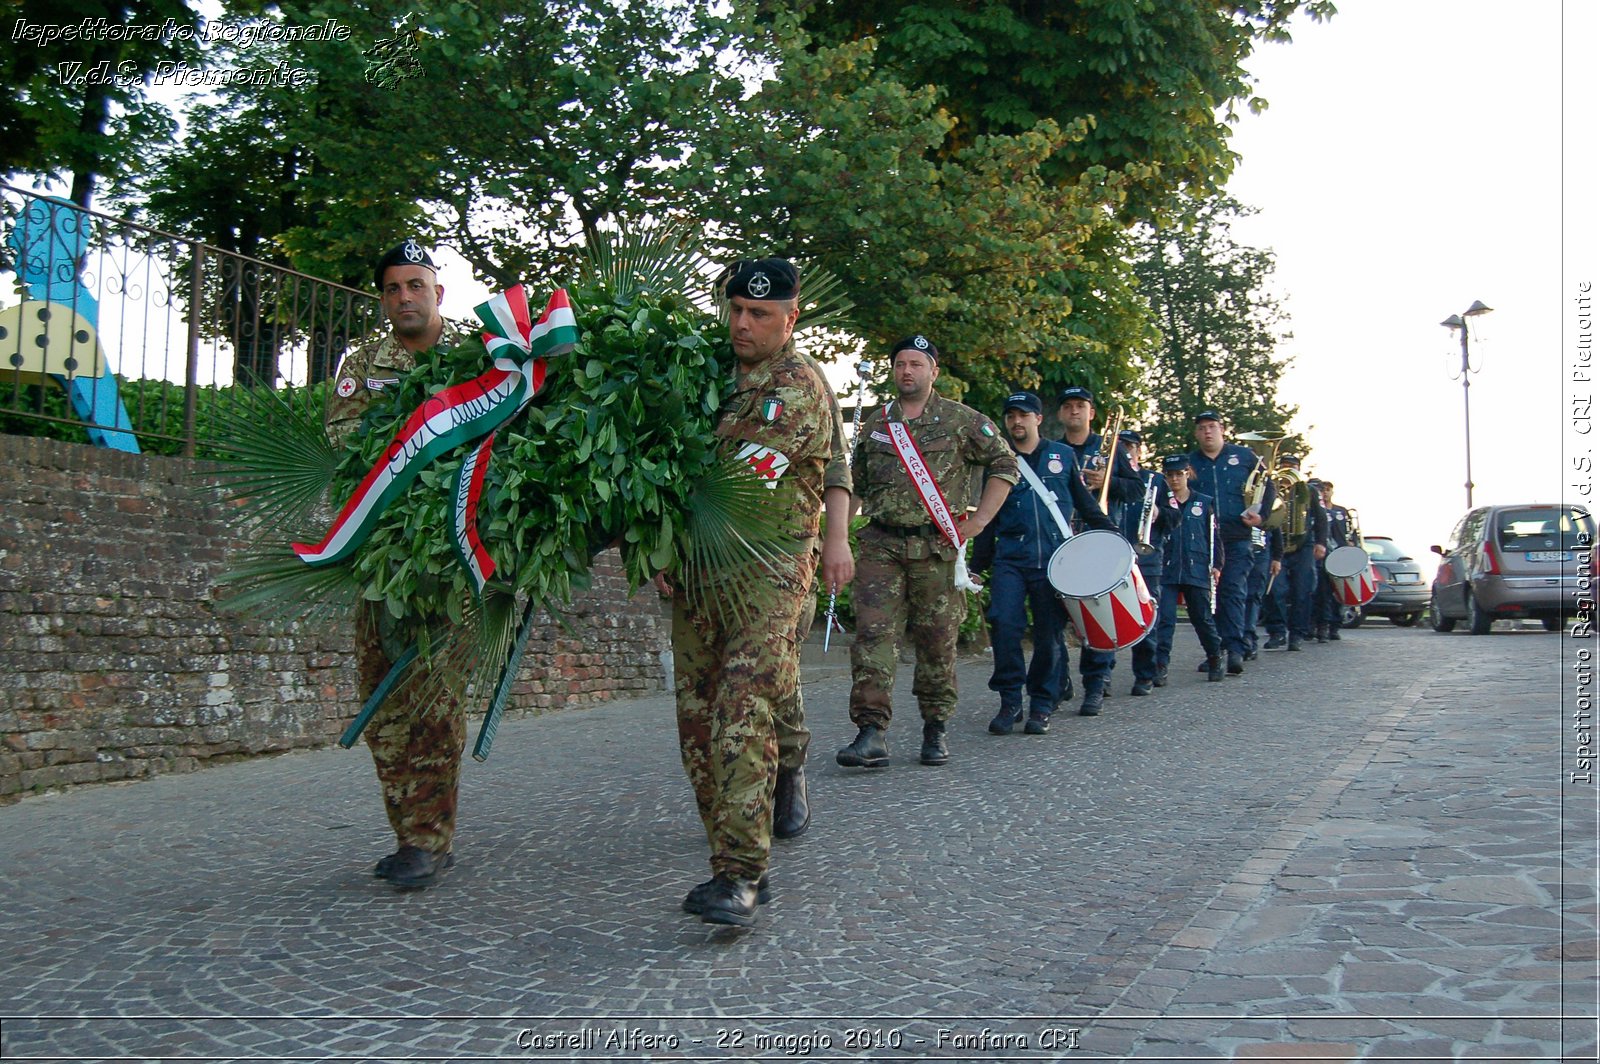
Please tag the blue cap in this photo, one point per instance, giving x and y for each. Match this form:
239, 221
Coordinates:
1208, 415
1077, 392
1172, 463
1130, 436
1023, 401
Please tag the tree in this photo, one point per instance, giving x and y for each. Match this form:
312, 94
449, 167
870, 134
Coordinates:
833, 162
1220, 328
1151, 78
78, 71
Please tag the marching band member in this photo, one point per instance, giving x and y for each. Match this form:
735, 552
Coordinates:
1149, 544
1305, 534
1076, 413
1330, 612
1022, 539
1221, 470
1194, 553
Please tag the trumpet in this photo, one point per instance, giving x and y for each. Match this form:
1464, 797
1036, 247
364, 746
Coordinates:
1110, 459
1147, 517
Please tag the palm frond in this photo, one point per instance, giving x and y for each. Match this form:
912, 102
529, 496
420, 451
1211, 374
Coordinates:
659, 258
272, 582
824, 303
279, 462
738, 538
465, 657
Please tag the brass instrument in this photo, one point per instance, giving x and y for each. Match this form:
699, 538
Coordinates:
1111, 460
1255, 486
1147, 517
1295, 491
1354, 535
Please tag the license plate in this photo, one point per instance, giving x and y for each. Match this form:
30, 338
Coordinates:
1549, 555
1406, 578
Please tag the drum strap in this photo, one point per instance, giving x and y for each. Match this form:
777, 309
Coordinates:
1044, 493
927, 488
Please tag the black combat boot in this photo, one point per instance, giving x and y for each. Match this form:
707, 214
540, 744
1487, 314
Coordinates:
791, 813
869, 750
934, 750
416, 869
731, 901
1214, 669
695, 901
1235, 663
1038, 724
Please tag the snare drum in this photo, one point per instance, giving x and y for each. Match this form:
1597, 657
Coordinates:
1350, 572
1098, 578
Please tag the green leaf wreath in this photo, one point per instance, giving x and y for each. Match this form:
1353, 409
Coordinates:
616, 449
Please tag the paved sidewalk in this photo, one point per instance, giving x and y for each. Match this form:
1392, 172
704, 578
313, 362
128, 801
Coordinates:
1366, 850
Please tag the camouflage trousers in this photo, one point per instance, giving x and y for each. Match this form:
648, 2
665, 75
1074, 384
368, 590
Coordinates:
416, 745
789, 712
730, 678
900, 578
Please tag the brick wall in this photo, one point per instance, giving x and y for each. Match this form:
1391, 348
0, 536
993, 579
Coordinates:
116, 662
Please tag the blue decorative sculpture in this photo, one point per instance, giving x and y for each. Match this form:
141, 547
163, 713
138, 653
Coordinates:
49, 241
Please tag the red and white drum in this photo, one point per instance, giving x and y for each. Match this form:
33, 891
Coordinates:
1098, 577
1350, 572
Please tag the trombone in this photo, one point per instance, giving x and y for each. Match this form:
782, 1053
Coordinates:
1111, 460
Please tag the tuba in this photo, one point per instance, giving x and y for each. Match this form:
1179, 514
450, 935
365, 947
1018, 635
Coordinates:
1295, 491
1255, 486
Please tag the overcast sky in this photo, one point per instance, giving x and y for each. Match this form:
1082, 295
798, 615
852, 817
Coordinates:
1411, 163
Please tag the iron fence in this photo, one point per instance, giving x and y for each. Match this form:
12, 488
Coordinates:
123, 335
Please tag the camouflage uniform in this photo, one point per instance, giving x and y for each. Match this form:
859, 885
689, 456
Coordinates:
416, 743
790, 714
904, 565
730, 677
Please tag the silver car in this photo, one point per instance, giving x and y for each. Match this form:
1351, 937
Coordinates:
1506, 562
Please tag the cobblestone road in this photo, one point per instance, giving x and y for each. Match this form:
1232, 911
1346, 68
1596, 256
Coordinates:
1366, 850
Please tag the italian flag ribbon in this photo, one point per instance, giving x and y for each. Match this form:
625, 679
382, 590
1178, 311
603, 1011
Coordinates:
469, 412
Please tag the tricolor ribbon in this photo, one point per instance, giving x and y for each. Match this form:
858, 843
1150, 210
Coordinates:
470, 412
932, 497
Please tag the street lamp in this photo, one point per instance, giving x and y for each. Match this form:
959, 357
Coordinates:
1458, 323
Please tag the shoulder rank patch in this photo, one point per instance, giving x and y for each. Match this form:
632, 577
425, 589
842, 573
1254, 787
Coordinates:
771, 407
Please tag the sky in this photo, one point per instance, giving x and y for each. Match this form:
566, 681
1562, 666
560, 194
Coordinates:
1409, 163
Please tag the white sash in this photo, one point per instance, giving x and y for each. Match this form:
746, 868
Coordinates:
1048, 496
932, 497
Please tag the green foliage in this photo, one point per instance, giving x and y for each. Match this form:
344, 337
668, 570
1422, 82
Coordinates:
67, 115
1221, 326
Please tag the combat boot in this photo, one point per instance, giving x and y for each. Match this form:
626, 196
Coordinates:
1093, 697
416, 869
791, 813
1333, 633
1038, 724
934, 749
731, 901
386, 865
869, 750
1142, 687
695, 901
1214, 669
1294, 642
1235, 663
1274, 642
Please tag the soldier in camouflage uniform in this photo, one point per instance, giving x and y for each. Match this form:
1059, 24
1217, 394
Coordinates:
905, 566
731, 676
791, 810
416, 744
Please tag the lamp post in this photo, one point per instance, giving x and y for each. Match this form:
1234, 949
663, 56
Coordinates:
1458, 323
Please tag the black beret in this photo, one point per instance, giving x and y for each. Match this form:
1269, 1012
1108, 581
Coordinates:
1023, 401
1174, 462
409, 253
774, 279
1077, 392
915, 342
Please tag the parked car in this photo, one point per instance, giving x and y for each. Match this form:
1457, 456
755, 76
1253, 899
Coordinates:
1523, 560
1403, 591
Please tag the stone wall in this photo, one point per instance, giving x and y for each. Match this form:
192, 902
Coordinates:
116, 660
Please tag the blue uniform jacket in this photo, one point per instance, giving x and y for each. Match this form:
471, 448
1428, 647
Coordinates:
1222, 480
1166, 519
1023, 532
1190, 557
